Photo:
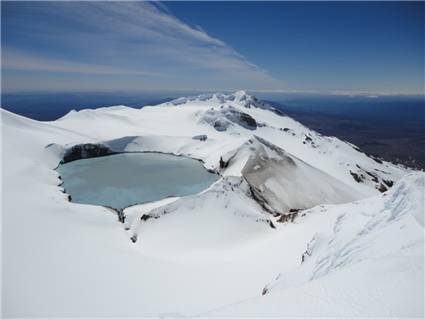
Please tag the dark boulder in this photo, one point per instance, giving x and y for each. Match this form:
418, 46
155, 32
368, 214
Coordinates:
223, 164
382, 188
145, 217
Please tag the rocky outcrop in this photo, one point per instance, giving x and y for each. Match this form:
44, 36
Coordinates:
226, 117
247, 121
88, 150
201, 137
361, 175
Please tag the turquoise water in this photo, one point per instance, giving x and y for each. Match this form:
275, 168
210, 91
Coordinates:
126, 179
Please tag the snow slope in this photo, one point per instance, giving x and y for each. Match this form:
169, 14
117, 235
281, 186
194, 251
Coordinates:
371, 257
211, 253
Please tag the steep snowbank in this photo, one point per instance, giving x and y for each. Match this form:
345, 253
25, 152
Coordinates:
222, 217
372, 257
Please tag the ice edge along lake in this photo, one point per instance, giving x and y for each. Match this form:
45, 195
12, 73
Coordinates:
125, 179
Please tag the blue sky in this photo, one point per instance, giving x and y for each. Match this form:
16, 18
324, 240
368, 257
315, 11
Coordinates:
210, 46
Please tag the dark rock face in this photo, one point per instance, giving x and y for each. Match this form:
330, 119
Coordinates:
388, 183
145, 217
358, 178
248, 120
86, 151
202, 137
240, 118
227, 116
289, 217
121, 216
382, 188
380, 184
374, 177
223, 164
257, 195
377, 160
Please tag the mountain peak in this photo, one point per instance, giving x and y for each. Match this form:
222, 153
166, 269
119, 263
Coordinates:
241, 95
238, 98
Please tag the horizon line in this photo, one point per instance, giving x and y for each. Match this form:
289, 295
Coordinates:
212, 91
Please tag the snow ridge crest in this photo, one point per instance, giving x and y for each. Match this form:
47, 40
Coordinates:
240, 98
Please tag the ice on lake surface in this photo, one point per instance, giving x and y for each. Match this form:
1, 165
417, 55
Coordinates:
126, 179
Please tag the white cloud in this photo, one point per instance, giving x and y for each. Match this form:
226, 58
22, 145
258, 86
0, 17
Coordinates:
128, 38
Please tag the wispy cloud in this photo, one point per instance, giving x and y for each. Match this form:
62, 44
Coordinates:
18, 60
124, 38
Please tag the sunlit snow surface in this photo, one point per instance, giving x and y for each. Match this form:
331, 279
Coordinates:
125, 179
212, 254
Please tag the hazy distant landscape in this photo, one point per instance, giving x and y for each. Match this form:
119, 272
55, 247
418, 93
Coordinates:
392, 128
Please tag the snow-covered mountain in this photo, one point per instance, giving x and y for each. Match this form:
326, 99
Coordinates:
300, 224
